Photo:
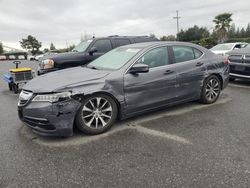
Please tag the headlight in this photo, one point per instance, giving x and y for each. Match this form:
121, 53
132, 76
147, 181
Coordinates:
52, 97
48, 64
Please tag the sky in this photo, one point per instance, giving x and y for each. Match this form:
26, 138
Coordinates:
64, 21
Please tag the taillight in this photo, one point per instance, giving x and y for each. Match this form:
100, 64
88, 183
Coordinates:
226, 61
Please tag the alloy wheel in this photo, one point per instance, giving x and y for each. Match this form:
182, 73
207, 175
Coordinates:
212, 89
97, 112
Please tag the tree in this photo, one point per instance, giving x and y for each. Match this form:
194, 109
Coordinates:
168, 38
232, 31
45, 50
242, 33
152, 35
193, 34
68, 49
31, 44
52, 46
222, 25
1, 48
248, 31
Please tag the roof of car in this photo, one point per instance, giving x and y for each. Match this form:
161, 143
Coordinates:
233, 43
156, 43
123, 37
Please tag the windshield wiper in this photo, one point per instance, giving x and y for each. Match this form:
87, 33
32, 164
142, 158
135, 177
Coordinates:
92, 67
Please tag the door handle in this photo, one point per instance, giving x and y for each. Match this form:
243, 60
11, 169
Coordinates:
168, 72
199, 64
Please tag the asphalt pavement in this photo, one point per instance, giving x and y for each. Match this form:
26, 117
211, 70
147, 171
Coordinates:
190, 145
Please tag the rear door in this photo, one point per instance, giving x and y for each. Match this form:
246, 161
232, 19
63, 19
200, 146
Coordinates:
190, 70
121, 42
154, 88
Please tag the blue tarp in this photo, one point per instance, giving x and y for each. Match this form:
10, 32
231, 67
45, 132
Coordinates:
7, 78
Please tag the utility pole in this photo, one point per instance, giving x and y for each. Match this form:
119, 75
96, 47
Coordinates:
177, 20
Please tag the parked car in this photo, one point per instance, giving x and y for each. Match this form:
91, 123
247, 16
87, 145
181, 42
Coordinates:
3, 57
124, 82
12, 57
222, 49
87, 51
240, 63
31, 57
21, 57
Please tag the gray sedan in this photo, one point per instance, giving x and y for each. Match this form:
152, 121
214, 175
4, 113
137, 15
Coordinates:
125, 82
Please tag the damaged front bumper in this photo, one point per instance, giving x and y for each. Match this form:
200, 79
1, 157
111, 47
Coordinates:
50, 119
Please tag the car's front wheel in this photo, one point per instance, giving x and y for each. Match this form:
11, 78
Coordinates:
97, 114
211, 90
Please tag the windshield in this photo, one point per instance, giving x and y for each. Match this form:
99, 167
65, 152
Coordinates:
223, 47
247, 46
114, 59
82, 46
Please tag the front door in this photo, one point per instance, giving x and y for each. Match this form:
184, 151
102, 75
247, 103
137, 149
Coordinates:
148, 90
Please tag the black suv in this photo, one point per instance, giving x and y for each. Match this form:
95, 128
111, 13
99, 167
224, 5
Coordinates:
87, 51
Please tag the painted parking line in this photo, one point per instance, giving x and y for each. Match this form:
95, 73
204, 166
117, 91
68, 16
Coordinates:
239, 86
168, 136
85, 139
70, 141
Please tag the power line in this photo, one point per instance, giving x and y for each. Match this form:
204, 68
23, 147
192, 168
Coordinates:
177, 22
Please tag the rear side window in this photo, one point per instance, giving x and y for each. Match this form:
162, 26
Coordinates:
103, 45
121, 42
185, 53
197, 53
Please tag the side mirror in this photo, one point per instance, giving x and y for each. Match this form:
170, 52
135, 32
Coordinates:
139, 68
92, 50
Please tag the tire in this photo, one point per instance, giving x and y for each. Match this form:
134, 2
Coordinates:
91, 117
231, 79
211, 90
15, 88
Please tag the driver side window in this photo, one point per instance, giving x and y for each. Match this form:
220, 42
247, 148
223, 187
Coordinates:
155, 58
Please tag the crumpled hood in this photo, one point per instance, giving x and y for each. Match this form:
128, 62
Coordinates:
59, 80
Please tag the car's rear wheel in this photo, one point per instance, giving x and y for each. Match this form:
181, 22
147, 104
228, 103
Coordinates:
211, 90
97, 114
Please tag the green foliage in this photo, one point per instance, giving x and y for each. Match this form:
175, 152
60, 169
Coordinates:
1, 48
152, 35
45, 50
208, 42
193, 34
222, 25
168, 38
239, 33
31, 44
52, 46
